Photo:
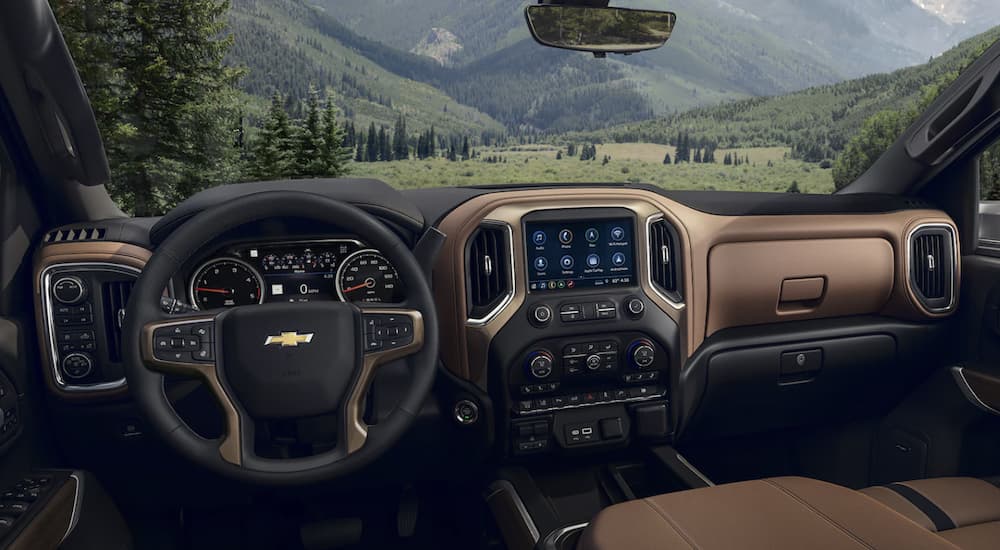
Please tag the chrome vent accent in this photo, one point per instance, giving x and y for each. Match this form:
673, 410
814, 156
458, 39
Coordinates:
116, 294
489, 279
71, 234
664, 260
932, 266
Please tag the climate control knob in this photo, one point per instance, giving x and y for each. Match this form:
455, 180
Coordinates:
69, 290
594, 362
642, 354
77, 365
540, 364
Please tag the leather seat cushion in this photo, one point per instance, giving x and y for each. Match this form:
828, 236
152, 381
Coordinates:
766, 514
965, 511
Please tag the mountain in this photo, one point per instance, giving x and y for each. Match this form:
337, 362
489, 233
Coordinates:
816, 122
441, 45
287, 45
845, 38
968, 13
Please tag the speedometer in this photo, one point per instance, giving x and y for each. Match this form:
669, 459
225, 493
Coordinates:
367, 277
226, 283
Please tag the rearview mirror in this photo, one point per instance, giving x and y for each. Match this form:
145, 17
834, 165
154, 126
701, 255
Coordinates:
599, 30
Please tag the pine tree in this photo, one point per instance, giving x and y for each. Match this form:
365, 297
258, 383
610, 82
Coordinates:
371, 150
666, 159
697, 156
384, 152
559, 154
273, 151
400, 140
465, 149
432, 144
309, 160
336, 156
164, 100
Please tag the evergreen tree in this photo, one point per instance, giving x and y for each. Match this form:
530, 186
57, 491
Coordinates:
465, 149
371, 149
400, 140
697, 156
309, 161
571, 149
163, 99
432, 144
336, 156
273, 150
666, 159
384, 150
359, 155
559, 154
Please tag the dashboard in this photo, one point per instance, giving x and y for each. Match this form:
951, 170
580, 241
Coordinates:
570, 319
246, 273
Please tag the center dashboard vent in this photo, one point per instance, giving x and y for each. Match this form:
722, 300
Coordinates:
488, 281
664, 260
932, 267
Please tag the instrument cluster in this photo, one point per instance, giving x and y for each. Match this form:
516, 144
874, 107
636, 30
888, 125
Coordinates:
257, 273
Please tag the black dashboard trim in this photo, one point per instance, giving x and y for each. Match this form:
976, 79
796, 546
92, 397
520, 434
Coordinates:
371, 195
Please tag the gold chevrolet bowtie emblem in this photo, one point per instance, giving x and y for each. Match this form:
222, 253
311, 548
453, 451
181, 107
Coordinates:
289, 339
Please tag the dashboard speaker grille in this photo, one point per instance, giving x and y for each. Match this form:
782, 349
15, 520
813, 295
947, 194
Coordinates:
71, 234
932, 266
487, 268
664, 252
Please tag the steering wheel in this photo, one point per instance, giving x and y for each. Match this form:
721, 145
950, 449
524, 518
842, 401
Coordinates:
280, 360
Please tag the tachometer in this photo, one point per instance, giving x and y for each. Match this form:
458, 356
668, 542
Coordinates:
367, 277
226, 283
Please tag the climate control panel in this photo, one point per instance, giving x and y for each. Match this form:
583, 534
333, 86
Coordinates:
565, 373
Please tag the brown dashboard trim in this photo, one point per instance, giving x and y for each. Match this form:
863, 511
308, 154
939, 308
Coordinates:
70, 253
47, 529
749, 282
699, 232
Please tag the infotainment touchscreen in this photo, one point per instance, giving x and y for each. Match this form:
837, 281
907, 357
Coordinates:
564, 255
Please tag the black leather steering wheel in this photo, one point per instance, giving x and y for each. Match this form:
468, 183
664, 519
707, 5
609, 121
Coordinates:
280, 361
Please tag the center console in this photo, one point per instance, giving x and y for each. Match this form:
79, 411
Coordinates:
585, 364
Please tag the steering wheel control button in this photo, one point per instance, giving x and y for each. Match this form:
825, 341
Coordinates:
635, 307
77, 365
466, 412
69, 290
642, 354
385, 332
540, 364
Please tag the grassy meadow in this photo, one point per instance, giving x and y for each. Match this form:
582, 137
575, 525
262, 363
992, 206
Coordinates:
630, 163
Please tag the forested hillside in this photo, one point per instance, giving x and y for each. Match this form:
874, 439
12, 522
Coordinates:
817, 123
286, 46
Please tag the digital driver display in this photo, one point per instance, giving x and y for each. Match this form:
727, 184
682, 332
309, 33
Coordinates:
564, 255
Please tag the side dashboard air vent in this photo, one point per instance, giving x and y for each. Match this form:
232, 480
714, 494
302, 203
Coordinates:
71, 234
488, 283
116, 294
932, 267
664, 260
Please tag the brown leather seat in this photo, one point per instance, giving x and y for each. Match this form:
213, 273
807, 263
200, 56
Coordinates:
965, 511
793, 513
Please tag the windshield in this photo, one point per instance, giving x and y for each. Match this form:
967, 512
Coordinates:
747, 95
